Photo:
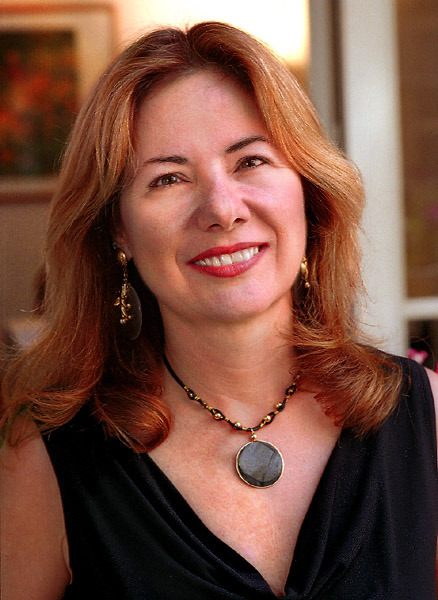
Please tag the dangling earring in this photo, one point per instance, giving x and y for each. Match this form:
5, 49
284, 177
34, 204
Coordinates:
305, 272
129, 302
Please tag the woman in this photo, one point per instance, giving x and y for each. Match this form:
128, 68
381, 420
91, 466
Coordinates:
198, 175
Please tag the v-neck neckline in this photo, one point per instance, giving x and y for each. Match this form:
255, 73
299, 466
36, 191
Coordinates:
316, 520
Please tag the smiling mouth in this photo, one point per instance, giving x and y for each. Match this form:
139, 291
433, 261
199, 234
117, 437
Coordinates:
224, 260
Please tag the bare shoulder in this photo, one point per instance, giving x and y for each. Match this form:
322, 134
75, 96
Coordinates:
33, 542
433, 378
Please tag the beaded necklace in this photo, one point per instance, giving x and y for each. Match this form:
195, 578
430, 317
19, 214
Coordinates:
259, 464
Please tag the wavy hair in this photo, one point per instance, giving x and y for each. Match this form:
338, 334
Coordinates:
79, 358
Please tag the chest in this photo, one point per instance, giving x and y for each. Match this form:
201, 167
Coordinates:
262, 525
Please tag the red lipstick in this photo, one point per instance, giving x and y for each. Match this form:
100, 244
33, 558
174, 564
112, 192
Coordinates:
242, 264
218, 250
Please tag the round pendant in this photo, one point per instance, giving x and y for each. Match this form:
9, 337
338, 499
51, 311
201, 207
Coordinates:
259, 464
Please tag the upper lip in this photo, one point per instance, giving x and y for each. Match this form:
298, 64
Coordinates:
218, 250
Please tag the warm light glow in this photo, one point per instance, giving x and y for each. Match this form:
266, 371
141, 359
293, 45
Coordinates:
283, 24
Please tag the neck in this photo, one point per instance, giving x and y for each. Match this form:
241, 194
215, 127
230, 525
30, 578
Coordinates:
231, 363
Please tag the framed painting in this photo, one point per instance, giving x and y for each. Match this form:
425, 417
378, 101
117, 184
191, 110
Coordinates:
50, 57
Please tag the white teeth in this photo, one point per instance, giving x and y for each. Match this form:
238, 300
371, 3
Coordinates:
228, 259
246, 254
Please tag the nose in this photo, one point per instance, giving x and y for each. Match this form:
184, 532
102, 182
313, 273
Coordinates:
222, 206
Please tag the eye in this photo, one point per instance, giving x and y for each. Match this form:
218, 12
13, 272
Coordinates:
166, 180
251, 162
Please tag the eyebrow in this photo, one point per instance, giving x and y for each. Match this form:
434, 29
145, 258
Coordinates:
181, 160
245, 142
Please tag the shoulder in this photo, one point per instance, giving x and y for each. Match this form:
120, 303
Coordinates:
34, 549
415, 414
433, 379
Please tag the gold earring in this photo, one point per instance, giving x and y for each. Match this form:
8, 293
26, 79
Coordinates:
129, 303
305, 272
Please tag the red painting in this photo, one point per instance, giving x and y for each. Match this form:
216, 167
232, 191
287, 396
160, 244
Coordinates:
38, 100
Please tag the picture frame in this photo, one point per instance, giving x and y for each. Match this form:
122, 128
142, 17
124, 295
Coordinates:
50, 57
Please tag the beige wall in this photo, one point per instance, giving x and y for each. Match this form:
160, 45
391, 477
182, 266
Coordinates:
22, 232
281, 25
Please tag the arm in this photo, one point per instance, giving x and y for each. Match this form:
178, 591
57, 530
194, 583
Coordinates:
34, 560
433, 378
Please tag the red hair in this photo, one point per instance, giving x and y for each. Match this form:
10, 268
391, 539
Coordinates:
80, 359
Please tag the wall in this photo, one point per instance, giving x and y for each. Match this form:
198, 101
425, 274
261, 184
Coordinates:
21, 241
372, 139
284, 25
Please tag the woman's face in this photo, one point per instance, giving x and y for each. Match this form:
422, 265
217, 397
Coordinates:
214, 216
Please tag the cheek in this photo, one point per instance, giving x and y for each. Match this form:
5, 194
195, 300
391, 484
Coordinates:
152, 239
286, 206
292, 223
140, 230
294, 206
147, 240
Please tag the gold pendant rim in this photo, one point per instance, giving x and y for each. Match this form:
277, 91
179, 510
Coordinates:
259, 487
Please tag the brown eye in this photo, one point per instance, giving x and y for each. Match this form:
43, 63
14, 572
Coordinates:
251, 162
166, 180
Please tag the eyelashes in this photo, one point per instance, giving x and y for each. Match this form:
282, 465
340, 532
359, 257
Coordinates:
173, 178
252, 162
167, 180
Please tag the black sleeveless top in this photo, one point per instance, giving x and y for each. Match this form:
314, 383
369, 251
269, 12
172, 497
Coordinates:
370, 532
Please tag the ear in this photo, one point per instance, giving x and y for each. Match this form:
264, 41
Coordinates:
121, 242
120, 238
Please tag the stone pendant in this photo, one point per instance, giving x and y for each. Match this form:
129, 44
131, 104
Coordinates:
259, 464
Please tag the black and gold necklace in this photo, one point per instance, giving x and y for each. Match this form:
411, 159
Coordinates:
259, 464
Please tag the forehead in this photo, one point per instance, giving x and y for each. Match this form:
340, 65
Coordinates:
207, 100
202, 82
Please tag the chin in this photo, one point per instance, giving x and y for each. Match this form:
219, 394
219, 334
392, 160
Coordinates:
248, 309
